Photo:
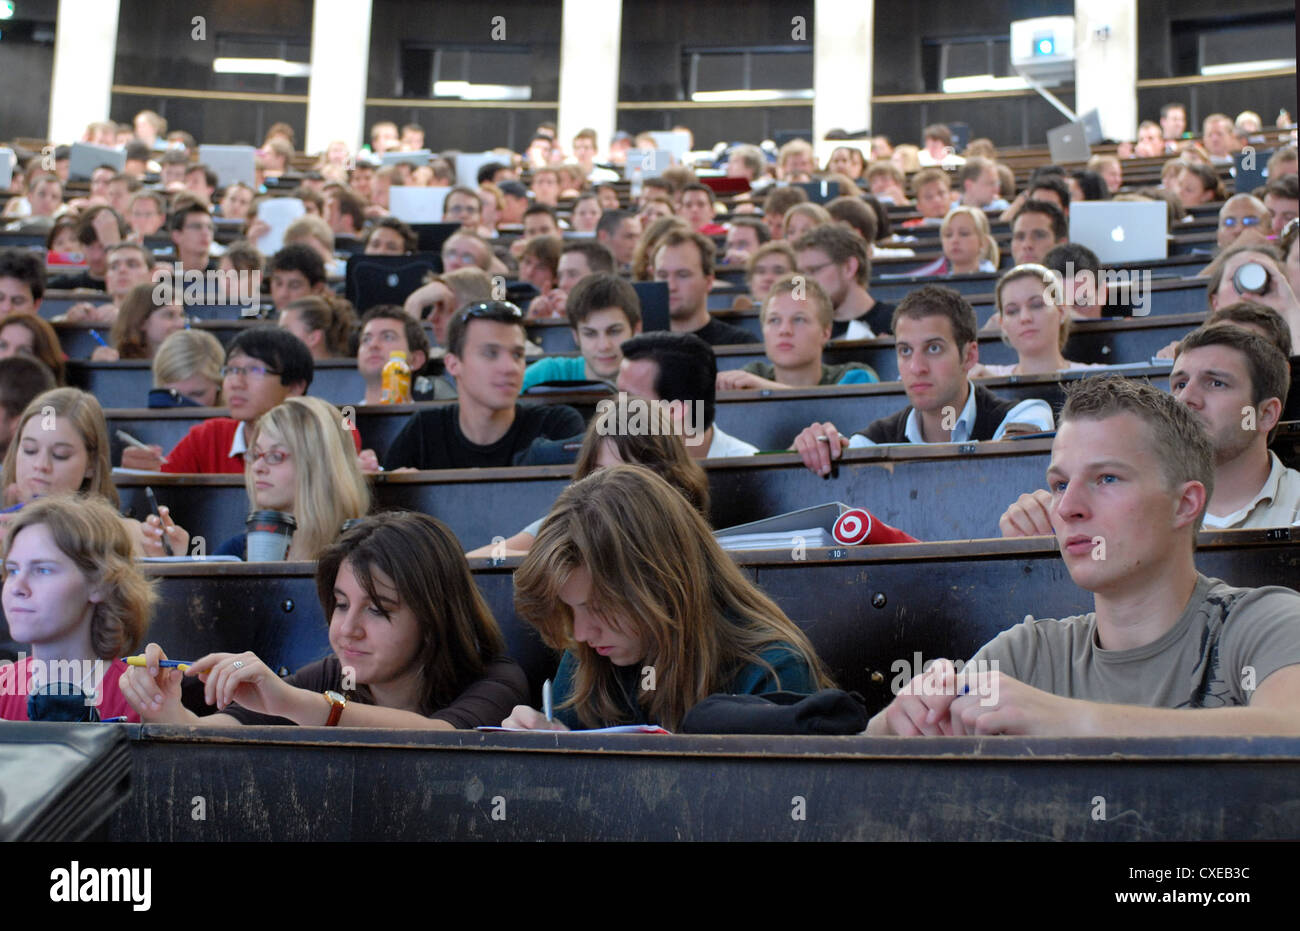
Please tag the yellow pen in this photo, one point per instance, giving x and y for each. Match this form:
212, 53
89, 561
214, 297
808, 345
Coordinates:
174, 663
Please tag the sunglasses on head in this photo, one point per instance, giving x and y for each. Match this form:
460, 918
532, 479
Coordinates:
490, 309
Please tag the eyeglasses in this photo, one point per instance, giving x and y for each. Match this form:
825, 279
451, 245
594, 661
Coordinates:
491, 310
273, 458
1244, 221
252, 371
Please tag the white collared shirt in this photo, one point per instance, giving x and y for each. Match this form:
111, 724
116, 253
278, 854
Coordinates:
1029, 411
1276, 505
239, 445
725, 446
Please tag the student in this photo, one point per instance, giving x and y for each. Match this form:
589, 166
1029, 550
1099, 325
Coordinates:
933, 190
191, 230
462, 206
681, 368
487, 426
1038, 227
935, 341
1235, 382
1086, 296
296, 271
801, 218
888, 183
838, 261
578, 260
302, 461
1033, 323
1282, 198
438, 299
684, 259
687, 615
540, 262
324, 323
28, 335
847, 160
1163, 652
968, 245
619, 231
980, 184
141, 326
22, 282
189, 364
1242, 218
264, 365
1277, 294
98, 230
768, 263
128, 264
386, 329
22, 378
405, 620
603, 311
796, 319
660, 448
744, 237
644, 255
73, 591
586, 214
61, 447
777, 204
1199, 184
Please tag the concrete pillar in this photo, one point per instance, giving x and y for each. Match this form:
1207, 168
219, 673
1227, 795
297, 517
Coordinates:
81, 84
843, 32
340, 57
591, 31
1105, 69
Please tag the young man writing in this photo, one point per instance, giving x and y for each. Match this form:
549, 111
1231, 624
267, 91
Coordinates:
603, 311
1167, 651
936, 346
487, 427
1234, 382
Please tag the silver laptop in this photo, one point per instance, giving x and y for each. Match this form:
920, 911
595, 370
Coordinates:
232, 163
7, 161
415, 157
468, 164
1121, 233
1068, 144
417, 204
85, 158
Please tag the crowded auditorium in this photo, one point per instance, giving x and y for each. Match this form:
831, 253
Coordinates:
640, 420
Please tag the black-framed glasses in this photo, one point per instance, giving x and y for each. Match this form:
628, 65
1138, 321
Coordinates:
250, 371
490, 310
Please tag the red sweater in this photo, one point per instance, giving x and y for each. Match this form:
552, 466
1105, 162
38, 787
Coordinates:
206, 449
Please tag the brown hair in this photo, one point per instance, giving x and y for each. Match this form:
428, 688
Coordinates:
82, 410
653, 562
458, 635
91, 534
934, 300
681, 237
1178, 440
330, 314
1257, 315
127, 335
643, 255
45, 342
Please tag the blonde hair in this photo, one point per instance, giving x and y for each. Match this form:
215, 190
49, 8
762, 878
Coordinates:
815, 212
787, 284
187, 353
1052, 287
989, 246
94, 537
310, 226
82, 410
330, 489
655, 565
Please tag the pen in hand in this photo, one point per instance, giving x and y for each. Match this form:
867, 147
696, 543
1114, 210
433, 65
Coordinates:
547, 708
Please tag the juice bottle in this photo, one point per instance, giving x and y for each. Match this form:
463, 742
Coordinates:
396, 380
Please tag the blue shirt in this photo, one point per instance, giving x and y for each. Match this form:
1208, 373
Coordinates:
1030, 411
555, 368
789, 673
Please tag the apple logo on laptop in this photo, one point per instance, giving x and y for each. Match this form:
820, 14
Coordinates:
1117, 234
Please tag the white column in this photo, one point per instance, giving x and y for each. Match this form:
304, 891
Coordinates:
590, 33
81, 86
340, 57
843, 32
1105, 68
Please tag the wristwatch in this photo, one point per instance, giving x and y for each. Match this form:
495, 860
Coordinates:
337, 704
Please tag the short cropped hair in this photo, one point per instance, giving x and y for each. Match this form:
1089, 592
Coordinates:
1072, 253
1252, 314
975, 166
1060, 227
1270, 372
1178, 439
86, 233
599, 258
938, 131
703, 244
750, 223
278, 348
601, 291
930, 176
1049, 183
688, 369
416, 339
176, 222
782, 199
814, 292
495, 312
934, 300
839, 245
611, 220
752, 157
409, 239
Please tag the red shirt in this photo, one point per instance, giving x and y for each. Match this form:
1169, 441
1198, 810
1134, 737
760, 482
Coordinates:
15, 682
205, 450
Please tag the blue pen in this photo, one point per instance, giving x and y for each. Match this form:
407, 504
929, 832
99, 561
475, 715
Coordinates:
117, 720
11, 509
99, 339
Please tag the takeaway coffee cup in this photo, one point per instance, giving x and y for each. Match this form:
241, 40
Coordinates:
269, 533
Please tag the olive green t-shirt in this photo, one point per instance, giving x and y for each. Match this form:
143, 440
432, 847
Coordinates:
1226, 643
